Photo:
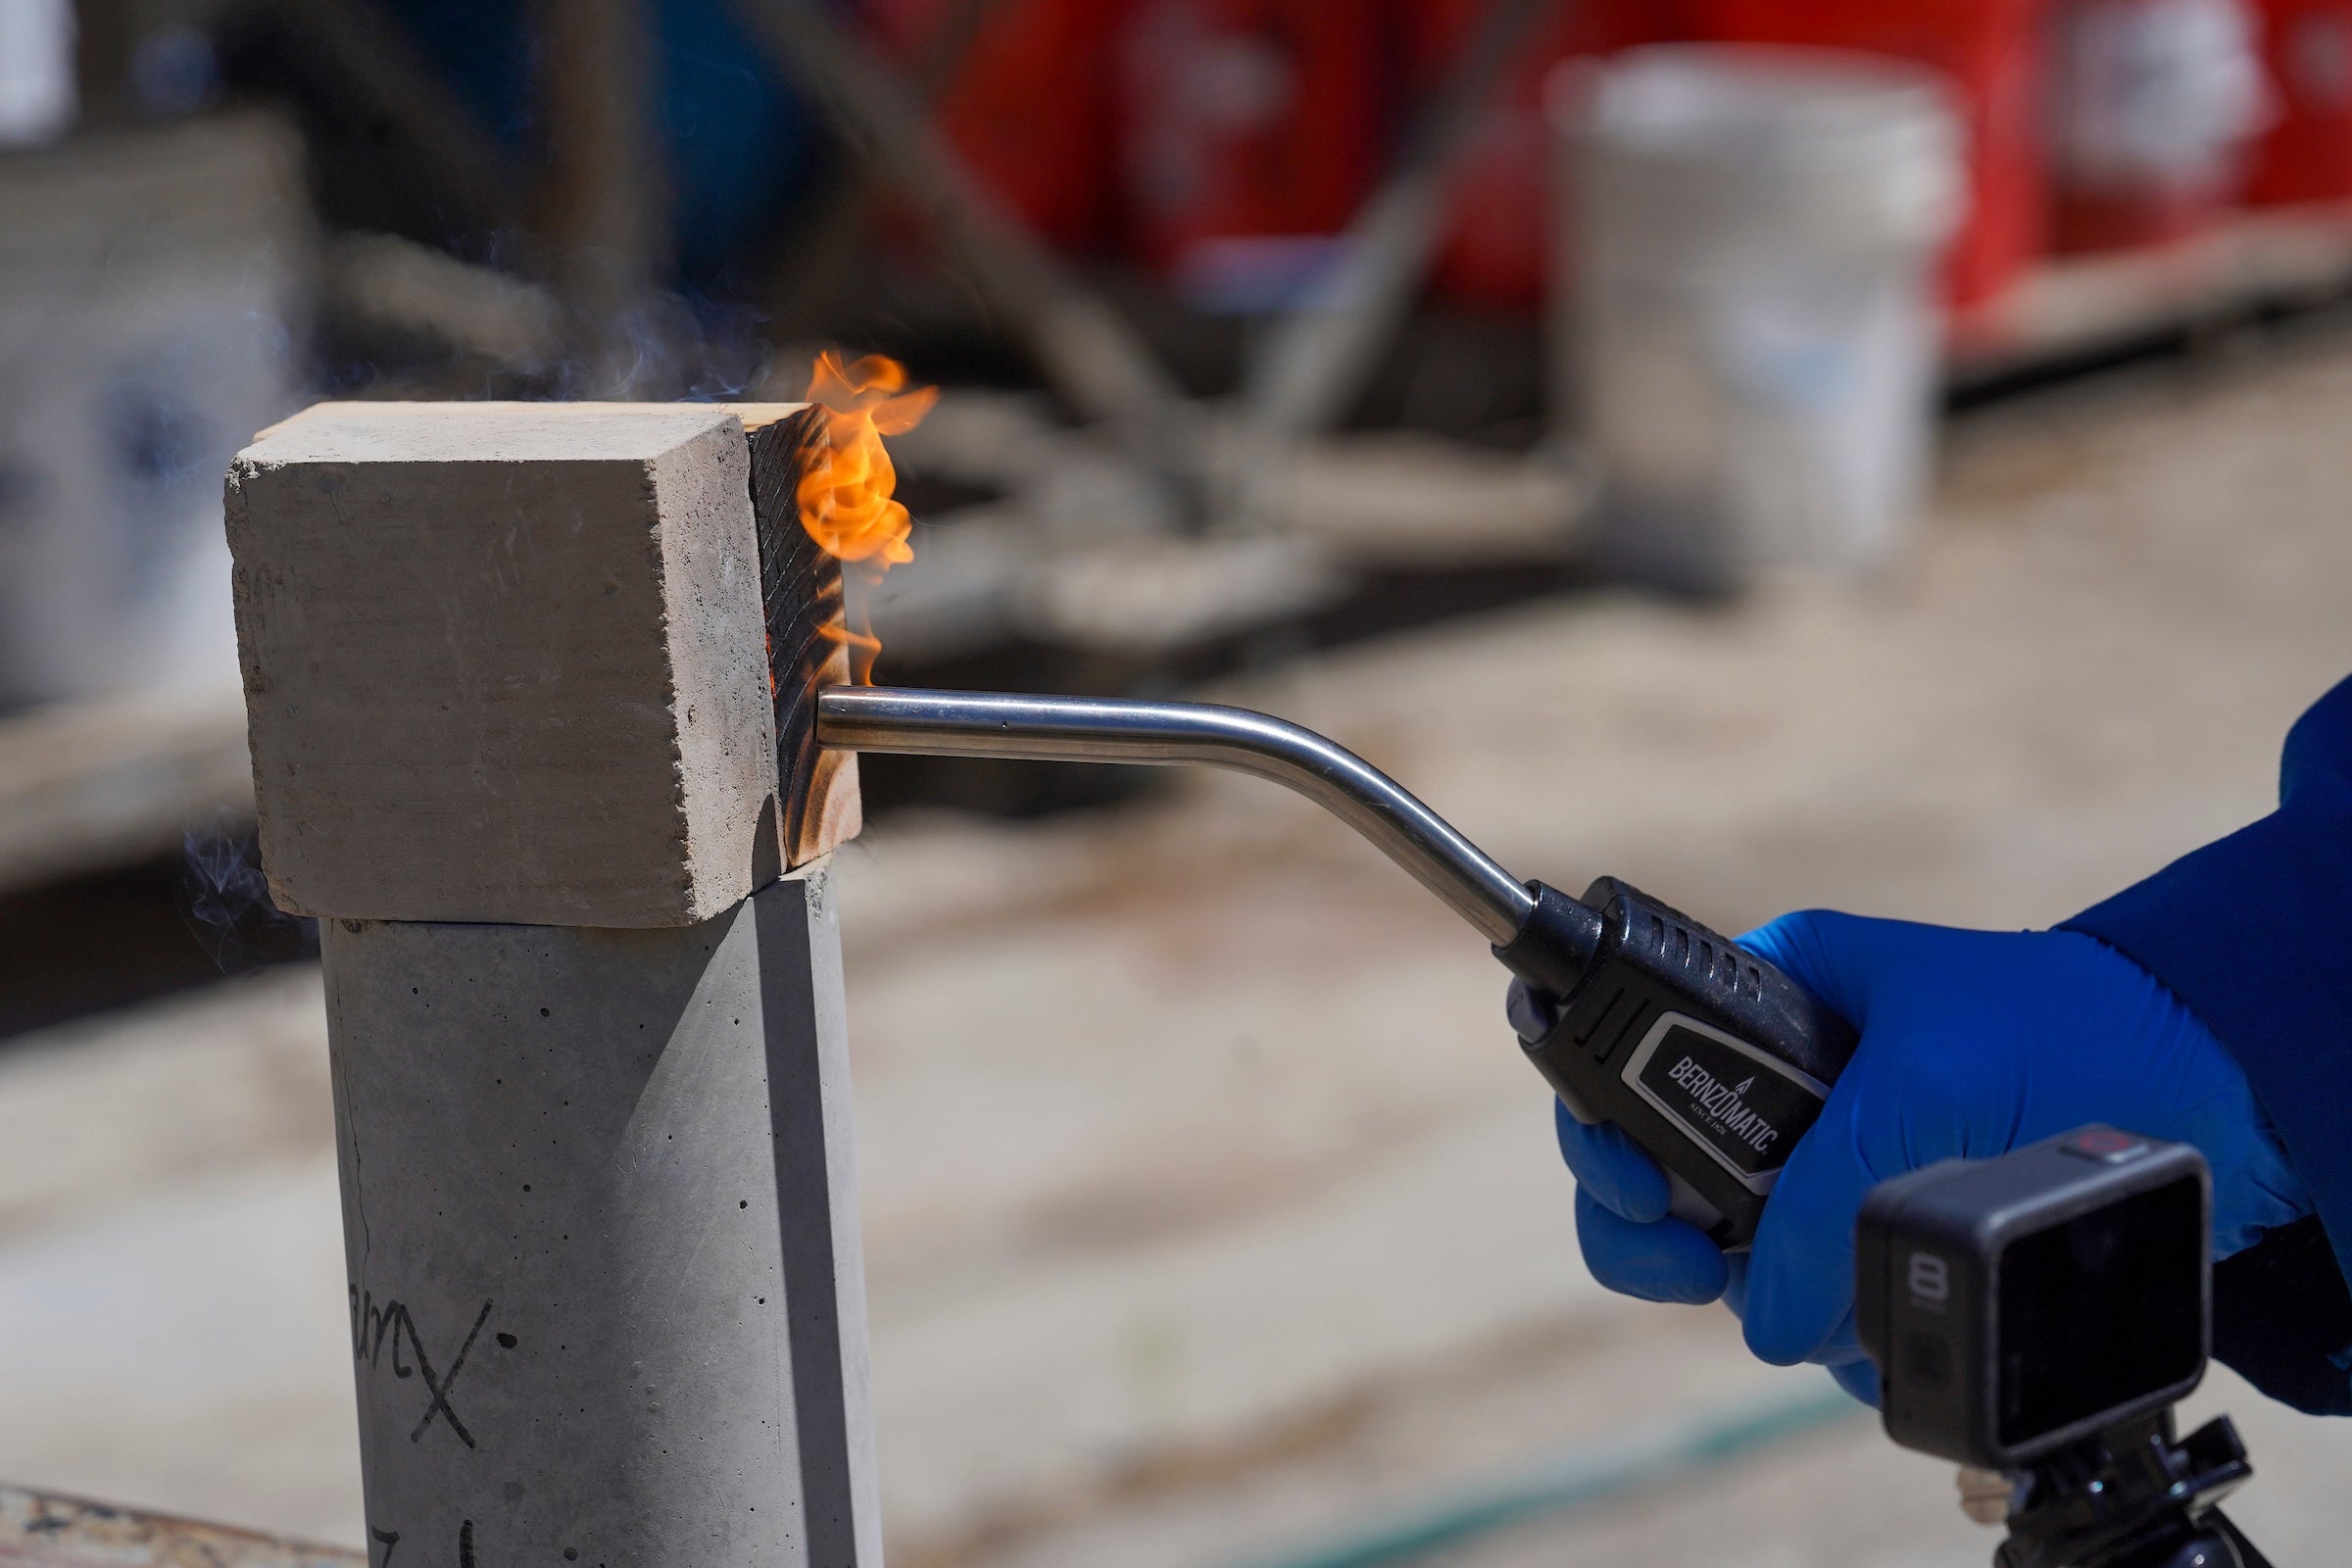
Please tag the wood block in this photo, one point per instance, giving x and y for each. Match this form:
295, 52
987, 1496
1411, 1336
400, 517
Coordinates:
801, 592
508, 663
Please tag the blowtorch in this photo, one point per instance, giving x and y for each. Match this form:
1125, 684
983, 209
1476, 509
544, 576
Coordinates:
1710, 1059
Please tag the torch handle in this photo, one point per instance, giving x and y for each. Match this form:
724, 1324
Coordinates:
1710, 1057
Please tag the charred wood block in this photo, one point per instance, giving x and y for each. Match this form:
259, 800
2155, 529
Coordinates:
801, 592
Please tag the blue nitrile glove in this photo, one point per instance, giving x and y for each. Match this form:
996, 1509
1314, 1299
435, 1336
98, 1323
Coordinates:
1974, 1043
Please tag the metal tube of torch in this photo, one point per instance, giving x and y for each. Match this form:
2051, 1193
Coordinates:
1102, 729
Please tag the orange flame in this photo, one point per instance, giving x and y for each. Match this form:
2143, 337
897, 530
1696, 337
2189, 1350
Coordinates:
846, 494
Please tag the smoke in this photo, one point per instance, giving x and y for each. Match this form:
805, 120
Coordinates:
224, 898
664, 347
416, 322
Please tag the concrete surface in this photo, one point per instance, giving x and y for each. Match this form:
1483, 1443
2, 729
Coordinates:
600, 1230
1208, 1208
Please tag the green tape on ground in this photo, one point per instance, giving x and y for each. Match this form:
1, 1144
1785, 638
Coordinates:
1576, 1479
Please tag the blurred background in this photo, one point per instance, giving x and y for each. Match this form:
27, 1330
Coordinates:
1887, 453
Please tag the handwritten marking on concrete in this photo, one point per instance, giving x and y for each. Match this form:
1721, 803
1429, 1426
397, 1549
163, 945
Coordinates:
374, 1327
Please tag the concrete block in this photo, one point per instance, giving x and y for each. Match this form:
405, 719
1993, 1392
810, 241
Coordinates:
506, 662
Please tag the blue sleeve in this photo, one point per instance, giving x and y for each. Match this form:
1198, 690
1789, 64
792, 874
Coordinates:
2254, 933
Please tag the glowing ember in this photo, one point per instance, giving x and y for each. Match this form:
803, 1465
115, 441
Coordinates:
846, 496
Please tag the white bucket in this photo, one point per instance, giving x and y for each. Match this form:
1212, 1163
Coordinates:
1748, 333
151, 289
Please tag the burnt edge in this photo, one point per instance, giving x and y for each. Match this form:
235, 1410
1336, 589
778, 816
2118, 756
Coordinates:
800, 593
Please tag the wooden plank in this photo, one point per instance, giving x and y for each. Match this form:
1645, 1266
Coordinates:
41, 1530
601, 203
1090, 353
801, 594
2078, 305
377, 66
90, 785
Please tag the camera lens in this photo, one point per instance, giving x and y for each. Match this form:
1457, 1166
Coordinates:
2099, 1309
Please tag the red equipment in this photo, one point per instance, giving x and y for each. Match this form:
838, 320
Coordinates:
2155, 104
2306, 156
1029, 106
1497, 248
1993, 52
1246, 119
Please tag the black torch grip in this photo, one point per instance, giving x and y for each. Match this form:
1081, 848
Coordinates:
1710, 1059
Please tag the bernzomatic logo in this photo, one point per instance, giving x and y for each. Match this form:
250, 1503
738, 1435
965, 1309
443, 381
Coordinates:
1721, 1105
1749, 1114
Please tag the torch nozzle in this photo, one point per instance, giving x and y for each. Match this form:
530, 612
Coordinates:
1103, 729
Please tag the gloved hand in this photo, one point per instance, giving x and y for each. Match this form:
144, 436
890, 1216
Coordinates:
1974, 1043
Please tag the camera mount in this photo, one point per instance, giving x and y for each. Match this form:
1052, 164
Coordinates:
2132, 1497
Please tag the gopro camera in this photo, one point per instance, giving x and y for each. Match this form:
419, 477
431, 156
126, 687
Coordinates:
2015, 1305
2038, 1314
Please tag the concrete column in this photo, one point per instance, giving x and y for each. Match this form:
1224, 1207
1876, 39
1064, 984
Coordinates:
512, 664
606, 1300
